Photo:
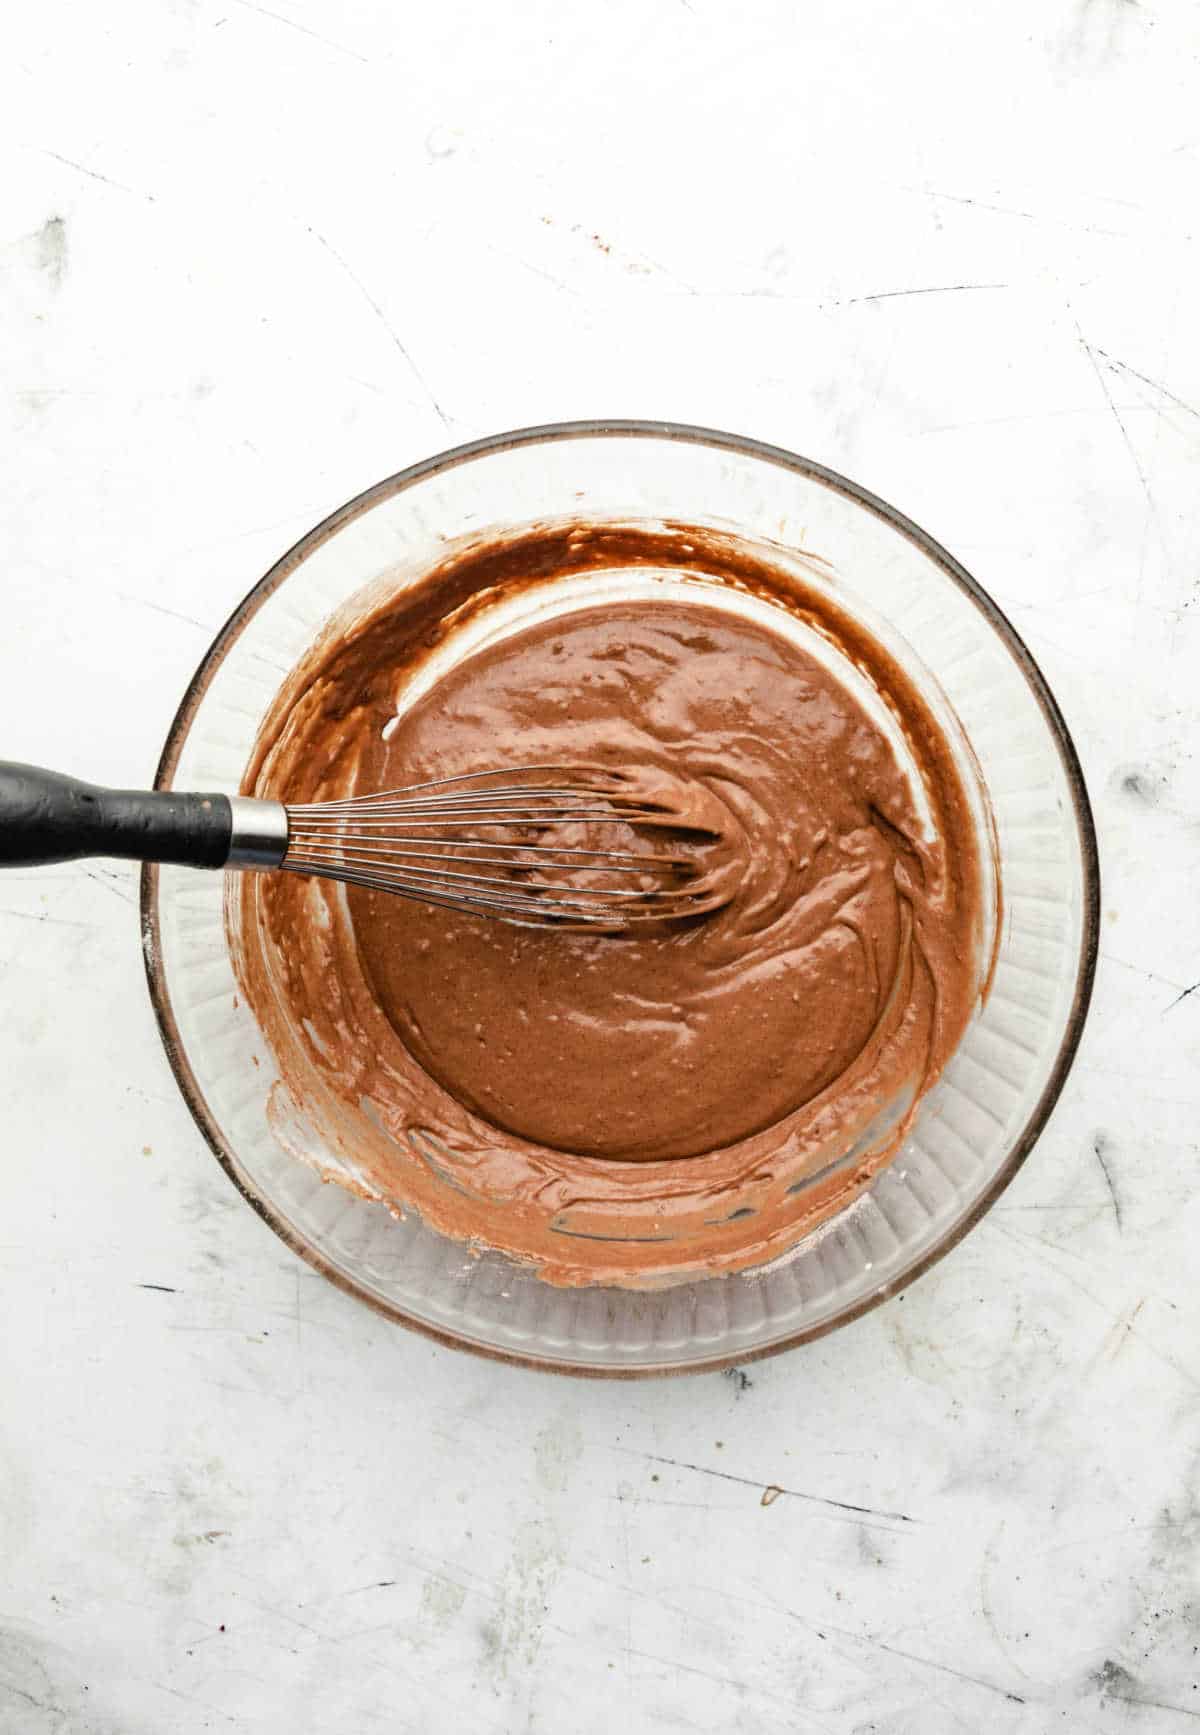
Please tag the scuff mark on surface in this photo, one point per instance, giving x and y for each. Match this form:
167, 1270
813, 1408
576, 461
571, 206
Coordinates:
441, 1601
1120, 366
1141, 785
383, 319
556, 1451
1117, 417
95, 175
822, 1500
279, 18
922, 1662
930, 289
512, 1637
1102, 1148
52, 250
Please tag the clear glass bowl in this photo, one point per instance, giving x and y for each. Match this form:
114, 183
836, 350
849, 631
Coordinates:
974, 1128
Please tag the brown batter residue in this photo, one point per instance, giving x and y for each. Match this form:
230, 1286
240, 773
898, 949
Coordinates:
652, 1105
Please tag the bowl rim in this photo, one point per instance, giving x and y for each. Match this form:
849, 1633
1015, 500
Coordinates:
687, 434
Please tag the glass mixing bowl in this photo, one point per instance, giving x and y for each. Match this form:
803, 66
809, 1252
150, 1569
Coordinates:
974, 1128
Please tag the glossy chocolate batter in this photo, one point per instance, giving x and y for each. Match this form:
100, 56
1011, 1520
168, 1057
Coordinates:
640, 1106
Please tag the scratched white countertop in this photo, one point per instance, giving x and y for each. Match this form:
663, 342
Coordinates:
254, 258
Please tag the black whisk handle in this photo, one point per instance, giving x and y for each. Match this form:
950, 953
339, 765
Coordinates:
46, 817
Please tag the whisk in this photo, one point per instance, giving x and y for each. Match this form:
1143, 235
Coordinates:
473, 843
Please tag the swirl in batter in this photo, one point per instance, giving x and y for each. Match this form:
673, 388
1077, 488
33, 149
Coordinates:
651, 1105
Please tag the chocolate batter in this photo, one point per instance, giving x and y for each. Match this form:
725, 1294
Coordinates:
642, 1106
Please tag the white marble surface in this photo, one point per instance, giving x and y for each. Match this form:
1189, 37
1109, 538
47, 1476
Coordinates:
252, 258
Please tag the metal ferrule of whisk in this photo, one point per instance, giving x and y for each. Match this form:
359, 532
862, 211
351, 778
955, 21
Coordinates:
258, 835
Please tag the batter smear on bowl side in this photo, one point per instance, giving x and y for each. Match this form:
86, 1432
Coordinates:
645, 1106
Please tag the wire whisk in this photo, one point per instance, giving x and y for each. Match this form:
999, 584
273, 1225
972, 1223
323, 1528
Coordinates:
535, 845
473, 843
